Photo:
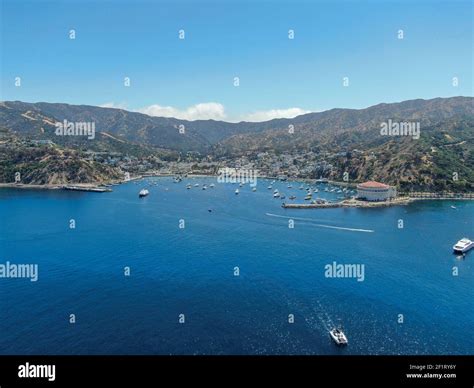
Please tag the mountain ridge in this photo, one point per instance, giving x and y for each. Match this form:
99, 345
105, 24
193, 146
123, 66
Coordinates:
344, 139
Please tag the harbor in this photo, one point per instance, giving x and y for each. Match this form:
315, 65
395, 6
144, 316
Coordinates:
277, 277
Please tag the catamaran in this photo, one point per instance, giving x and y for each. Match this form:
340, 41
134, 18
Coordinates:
338, 336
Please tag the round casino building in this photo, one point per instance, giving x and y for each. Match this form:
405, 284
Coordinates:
375, 191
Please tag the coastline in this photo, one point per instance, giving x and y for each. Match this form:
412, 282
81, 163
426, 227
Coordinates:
346, 203
29, 186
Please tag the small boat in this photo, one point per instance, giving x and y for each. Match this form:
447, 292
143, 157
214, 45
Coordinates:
275, 191
463, 245
276, 195
301, 188
292, 197
196, 185
212, 185
282, 196
316, 190
241, 185
209, 210
254, 189
188, 186
143, 193
269, 187
290, 186
453, 207
204, 187
237, 191
338, 336
308, 197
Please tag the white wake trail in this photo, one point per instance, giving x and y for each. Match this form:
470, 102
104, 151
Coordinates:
321, 225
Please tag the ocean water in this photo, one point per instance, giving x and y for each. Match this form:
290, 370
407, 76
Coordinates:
191, 271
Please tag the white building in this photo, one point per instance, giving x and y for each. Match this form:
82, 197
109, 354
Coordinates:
375, 191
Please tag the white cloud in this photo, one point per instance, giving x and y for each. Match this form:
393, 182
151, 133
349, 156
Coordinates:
120, 105
264, 115
209, 110
202, 111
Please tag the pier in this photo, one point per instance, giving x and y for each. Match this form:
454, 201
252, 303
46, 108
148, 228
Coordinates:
94, 189
441, 195
348, 203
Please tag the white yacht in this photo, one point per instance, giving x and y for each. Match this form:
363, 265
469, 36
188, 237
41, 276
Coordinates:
212, 185
143, 193
276, 195
254, 189
204, 187
338, 336
463, 245
236, 191
196, 185
269, 187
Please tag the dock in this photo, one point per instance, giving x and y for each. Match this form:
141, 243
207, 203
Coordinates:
347, 203
94, 189
311, 205
441, 195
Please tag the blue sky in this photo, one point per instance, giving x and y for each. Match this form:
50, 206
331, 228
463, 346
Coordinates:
194, 78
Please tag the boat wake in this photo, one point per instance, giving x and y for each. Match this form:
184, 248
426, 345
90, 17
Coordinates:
322, 225
324, 318
315, 314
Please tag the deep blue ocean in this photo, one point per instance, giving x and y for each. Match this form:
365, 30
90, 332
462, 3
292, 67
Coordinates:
190, 271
